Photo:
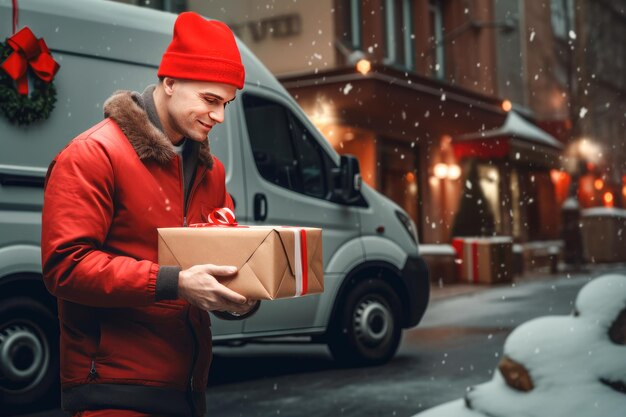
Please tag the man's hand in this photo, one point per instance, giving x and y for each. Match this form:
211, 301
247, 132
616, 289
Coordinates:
199, 287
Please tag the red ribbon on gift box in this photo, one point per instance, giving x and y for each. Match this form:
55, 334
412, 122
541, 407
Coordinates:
475, 272
302, 267
219, 217
467, 260
28, 51
224, 217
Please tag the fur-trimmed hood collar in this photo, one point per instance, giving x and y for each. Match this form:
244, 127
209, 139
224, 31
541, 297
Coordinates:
148, 141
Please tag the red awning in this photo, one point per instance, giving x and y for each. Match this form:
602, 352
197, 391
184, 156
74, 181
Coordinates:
517, 140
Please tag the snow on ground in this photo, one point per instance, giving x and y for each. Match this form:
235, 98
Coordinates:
566, 357
452, 409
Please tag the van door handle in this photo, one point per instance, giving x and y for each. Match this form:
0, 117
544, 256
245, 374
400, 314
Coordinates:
260, 207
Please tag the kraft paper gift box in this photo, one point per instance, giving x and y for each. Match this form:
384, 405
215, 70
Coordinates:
484, 260
273, 261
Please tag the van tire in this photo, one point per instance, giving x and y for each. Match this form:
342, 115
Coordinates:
29, 339
366, 329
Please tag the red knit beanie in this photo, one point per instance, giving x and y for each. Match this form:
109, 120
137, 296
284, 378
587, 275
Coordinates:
202, 50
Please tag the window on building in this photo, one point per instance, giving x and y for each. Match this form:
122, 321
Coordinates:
350, 15
399, 35
562, 16
285, 152
435, 14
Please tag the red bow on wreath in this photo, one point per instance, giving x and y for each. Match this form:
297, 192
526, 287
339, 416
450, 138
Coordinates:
29, 51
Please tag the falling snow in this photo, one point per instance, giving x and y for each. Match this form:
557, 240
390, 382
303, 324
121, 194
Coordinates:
583, 112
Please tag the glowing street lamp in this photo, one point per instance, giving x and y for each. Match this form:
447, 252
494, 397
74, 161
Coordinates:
363, 66
441, 171
598, 184
444, 171
454, 172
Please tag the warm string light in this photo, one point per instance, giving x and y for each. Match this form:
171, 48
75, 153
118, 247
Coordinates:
598, 184
445, 171
363, 66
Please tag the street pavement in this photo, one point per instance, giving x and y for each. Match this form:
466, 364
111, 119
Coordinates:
457, 345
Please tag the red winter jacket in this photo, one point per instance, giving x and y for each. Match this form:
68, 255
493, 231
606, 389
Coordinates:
106, 193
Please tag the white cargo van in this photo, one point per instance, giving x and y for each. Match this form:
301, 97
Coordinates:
280, 170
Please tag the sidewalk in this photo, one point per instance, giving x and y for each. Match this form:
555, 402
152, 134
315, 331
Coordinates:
444, 291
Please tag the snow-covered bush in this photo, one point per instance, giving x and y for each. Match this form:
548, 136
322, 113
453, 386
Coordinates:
559, 366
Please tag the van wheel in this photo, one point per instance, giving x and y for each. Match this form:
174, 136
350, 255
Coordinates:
366, 329
29, 354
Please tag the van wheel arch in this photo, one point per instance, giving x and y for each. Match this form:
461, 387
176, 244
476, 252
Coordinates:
372, 292
27, 284
374, 269
28, 318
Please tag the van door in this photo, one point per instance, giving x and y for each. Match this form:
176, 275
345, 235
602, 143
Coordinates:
288, 182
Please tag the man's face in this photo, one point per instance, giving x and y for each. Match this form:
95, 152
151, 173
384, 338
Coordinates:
194, 107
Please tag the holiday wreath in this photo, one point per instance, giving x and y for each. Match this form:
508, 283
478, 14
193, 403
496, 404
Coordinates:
19, 56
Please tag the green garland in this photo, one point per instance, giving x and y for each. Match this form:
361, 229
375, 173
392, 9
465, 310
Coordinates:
20, 109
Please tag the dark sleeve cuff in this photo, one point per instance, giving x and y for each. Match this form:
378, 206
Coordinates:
167, 283
225, 315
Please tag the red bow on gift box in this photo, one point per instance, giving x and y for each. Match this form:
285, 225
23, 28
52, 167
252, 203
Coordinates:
29, 51
219, 217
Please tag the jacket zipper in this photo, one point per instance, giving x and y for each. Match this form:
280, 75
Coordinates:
182, 188
191, 330
193, 363
194, 187
188, 319
93, 373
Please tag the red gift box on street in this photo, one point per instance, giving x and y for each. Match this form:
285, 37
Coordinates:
485, 260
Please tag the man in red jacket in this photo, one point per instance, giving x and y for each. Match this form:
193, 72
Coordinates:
135, 335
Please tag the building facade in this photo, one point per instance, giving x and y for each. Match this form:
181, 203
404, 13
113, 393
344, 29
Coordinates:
440, 100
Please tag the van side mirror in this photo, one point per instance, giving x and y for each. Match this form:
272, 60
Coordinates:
347, 179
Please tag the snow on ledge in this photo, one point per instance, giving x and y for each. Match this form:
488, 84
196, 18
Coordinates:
437, 250
604, 212
571, 204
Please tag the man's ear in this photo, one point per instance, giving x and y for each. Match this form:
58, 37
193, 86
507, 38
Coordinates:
168, 85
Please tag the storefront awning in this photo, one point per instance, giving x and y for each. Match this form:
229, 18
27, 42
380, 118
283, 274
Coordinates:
394, 104
517, 140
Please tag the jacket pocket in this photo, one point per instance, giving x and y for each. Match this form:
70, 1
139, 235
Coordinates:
160, 311
150, 345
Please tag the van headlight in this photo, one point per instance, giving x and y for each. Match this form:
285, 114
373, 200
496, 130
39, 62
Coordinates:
408, 224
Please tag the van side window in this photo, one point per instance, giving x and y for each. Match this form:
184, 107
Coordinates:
284, 151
